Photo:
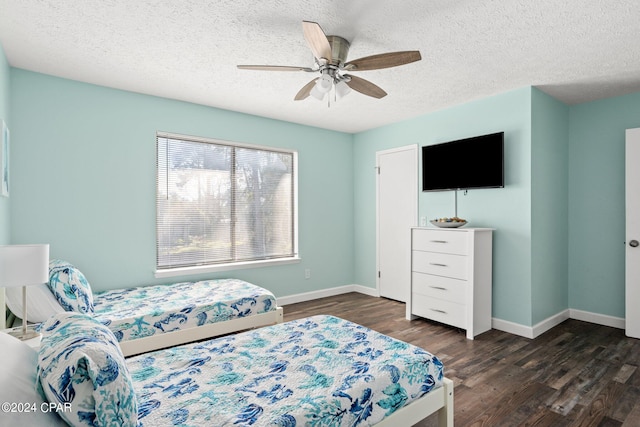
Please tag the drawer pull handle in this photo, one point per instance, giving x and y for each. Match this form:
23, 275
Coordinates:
440, 288
439, 241
438, 264
438, 311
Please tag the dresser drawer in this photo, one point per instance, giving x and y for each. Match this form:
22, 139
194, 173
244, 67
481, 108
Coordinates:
445, 288
440, 264
439, 310
450, 242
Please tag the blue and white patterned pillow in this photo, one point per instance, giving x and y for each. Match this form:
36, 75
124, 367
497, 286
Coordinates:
70, 287
81, 367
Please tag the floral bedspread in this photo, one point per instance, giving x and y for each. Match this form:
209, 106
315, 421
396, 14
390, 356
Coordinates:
148, 310
317, 371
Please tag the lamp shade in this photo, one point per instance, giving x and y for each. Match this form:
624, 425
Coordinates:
342, 89
324, 83
24, 265
316, 93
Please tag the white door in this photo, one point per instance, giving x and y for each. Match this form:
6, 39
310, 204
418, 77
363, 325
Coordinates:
632, 237
397, 212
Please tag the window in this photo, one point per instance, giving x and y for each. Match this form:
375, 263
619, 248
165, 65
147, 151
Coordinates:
221, 203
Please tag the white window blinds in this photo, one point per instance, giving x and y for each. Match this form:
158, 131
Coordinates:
218, 202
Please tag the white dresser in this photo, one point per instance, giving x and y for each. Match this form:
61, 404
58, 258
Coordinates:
451, 277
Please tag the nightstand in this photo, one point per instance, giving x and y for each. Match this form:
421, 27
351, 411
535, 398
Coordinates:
33, 342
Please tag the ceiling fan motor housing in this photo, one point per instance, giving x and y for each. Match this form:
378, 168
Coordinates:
339, 50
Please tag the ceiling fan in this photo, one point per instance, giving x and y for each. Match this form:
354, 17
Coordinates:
330, 54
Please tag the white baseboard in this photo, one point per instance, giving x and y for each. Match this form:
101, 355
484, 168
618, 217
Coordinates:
542, 327
600, 319
372, 292
323, 293
499, 324
530, 331
512, 328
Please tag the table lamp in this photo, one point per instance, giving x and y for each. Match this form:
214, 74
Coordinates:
23, 265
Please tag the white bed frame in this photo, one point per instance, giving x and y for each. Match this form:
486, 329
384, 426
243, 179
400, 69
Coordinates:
210, 330
439, 400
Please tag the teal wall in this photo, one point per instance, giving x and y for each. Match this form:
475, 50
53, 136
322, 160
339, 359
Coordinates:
559, 222
596, 202
549, 206
83, 180
83, 166
5, 233
508, 209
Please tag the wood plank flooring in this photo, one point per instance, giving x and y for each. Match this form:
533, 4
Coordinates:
576, 374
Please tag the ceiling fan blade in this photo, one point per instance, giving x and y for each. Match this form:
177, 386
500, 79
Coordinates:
383, 60
317, 40
306, 90
365, 87
273, 68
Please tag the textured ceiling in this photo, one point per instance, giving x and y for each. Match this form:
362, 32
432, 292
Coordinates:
575, 50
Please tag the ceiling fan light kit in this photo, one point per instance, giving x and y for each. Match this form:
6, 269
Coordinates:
330, 53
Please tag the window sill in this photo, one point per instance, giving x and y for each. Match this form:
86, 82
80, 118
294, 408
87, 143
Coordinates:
185, 271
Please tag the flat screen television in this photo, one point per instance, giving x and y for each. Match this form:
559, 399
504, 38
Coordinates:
476, 162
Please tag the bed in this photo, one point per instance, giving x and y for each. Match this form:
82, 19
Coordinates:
183, 312
317, 371
148, 318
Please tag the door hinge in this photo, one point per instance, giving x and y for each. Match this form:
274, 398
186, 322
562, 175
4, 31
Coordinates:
379, 275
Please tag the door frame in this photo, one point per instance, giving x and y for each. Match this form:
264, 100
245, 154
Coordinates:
632, 232
414, 200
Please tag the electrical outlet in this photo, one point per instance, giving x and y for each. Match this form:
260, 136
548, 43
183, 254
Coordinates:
423, 221
307, 273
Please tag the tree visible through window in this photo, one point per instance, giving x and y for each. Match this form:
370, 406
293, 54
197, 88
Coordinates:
218, 202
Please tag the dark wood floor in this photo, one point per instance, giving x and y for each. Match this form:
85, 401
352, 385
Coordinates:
577, 374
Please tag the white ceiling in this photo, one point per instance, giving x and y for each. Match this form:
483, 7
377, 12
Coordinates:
575, 50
